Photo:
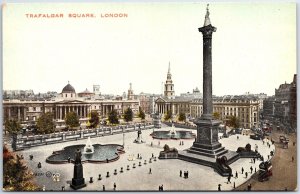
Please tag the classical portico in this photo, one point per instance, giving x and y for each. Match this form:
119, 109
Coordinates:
61, 109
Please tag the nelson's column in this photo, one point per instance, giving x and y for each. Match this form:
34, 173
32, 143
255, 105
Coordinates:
206, 147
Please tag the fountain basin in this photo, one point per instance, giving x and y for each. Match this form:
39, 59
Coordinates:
101, 154
173, 135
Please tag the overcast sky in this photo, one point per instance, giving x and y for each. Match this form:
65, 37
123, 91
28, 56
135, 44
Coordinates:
253, 49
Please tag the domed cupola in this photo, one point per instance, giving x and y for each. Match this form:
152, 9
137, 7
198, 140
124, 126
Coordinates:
68, 91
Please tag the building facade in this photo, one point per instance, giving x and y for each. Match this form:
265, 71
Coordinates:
67, 101
285, 104
245, 108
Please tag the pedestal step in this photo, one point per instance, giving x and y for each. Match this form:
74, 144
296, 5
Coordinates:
213, 154
209, 161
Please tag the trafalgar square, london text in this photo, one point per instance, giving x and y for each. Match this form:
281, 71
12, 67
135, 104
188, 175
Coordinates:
76, 15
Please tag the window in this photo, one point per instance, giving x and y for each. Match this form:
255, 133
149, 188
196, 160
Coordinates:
71, 95
66, 95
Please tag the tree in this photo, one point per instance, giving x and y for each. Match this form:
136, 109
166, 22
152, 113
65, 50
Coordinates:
141, 114
94, 121
168, 115
72, 119
113, 117
234, 121
45, 123
12, 126
182, 117
128, 115
16, 175
216, 115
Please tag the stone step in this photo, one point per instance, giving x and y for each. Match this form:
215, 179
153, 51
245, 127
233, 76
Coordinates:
211, 154
232, 157
207, 150
194, 158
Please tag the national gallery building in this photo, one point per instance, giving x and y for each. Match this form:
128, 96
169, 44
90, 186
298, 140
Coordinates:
69, 100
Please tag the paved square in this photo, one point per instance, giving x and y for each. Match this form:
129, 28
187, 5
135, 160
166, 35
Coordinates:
164, 172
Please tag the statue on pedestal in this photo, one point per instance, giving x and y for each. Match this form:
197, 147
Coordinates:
78, 180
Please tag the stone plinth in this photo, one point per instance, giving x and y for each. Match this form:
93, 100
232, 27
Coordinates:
78, 180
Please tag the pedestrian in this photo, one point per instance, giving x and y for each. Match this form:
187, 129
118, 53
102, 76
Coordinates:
234, 185
152, 155
246, 174
228, 178
151, 143
159, 143
268, 157
236, 174
150, 171
292, 158
269, 145
103, 187
254, 160
162, 187
255, 169
242, 170
115, 186
237, 137
251, 168
159, 188
180, 173
219, 187
138, 156
249, 187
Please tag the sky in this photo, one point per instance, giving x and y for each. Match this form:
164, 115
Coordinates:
253, 49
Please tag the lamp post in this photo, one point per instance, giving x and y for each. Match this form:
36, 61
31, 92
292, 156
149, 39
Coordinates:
123, 138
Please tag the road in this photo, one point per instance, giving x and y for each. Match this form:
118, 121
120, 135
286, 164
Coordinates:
284, 169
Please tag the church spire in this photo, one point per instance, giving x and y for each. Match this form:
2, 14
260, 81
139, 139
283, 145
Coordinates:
207, 20
169, 70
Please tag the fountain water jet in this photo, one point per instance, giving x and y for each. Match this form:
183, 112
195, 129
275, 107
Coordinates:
89, 148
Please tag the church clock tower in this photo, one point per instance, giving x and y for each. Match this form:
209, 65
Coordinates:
169, 86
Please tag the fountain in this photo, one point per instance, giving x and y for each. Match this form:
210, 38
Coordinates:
89, 148
173, 134
172, 131
93, 153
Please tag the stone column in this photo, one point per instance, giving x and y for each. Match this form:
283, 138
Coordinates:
24, 113
19, 114
60, 112
207, 31
9, 113
65, 110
